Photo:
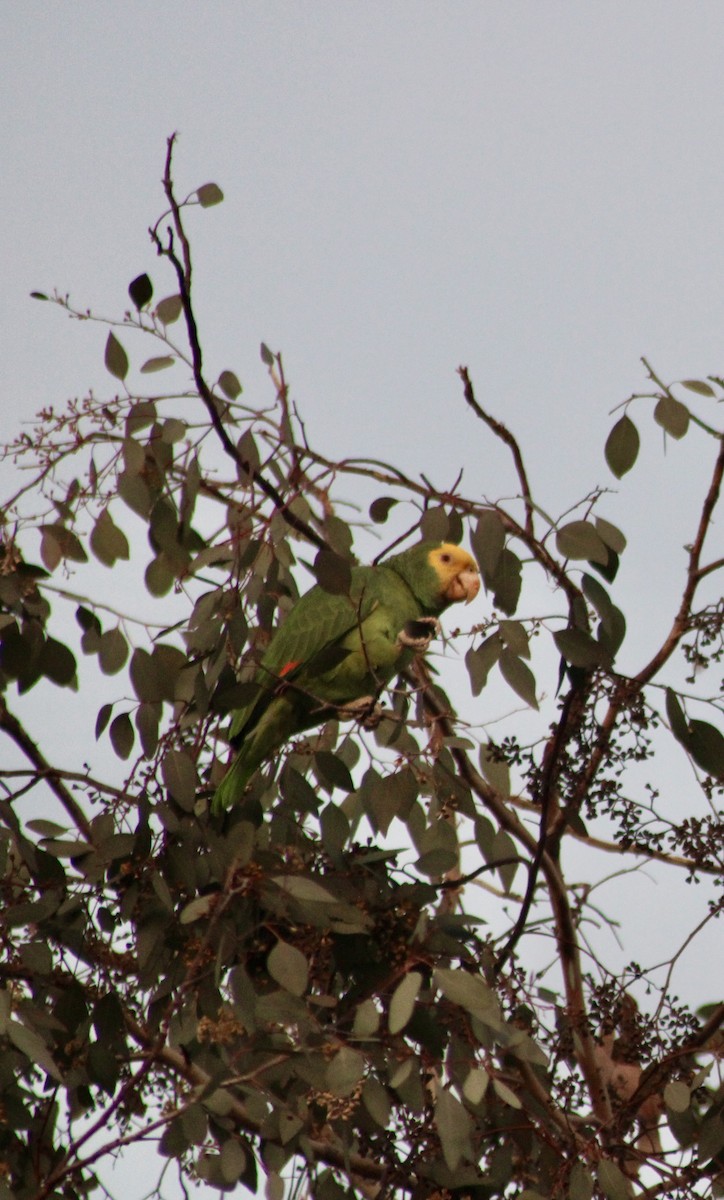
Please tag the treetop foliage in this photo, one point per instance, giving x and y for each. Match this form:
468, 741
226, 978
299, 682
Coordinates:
380, 974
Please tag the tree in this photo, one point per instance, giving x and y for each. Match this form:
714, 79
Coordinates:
283, 991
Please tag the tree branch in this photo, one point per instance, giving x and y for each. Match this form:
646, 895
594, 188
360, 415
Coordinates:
183, 269
501, 431
13, 728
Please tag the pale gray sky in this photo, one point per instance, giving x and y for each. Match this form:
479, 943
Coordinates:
532, 188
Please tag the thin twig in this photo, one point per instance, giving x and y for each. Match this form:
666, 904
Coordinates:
183, 269
501, 431
17, 732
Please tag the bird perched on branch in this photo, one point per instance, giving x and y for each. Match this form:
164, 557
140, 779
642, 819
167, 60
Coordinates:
336, 651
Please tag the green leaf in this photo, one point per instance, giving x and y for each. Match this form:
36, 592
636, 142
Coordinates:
454, 1128
480, 660
376, 1101
580, 1185
173, 430
332, 772
579, 648
366, 1020
32, 1045
159, 576
402, 1003
67, 543
706, 746
598, 597
232, 1161
579, 539
698, 386
104, 715
494, 768
673, 416
677, 718
230, 385
488, 541
107, 541
135, 492
116, 359
333, 573
147, 720
58, 663
38, 296
122, 735
140, 290
434, 524
515, 637
502, 849
612, 1181
506, 582
144, 676
304, 889
169, 309
519, 676
288, 966
469, 992
181, 778
209, 194
476, 1084
504, 1093
345, 1071
159, 363
380, 509
46, 828
677, 1096
197, 908
112, 652
266, 355
622, 447
711, 1137
610, 534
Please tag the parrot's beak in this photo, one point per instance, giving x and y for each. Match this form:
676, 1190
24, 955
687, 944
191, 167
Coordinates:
464, 586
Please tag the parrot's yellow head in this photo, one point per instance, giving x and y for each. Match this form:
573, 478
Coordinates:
457, 571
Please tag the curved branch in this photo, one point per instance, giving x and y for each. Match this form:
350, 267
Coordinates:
501, 431
183, 269
18, 734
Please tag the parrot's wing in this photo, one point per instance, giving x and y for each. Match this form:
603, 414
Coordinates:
308, 640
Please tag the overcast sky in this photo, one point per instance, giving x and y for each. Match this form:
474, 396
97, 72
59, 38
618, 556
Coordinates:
534, 189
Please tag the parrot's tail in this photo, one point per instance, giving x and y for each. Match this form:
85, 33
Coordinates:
232, 786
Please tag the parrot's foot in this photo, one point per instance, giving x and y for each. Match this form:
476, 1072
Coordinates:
366, 710
417, 635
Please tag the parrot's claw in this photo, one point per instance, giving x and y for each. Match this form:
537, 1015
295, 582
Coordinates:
417, 635
366, 710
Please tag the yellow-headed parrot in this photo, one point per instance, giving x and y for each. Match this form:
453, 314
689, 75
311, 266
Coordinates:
335, 651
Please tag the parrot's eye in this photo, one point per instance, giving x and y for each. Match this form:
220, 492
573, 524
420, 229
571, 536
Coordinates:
445, 558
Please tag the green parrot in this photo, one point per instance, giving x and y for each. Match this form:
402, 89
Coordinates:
335, 653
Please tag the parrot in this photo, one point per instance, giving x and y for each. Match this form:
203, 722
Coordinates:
334, 653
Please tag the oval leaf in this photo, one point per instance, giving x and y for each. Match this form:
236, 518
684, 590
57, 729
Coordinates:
122, 735
622, 447
579, 539
209, 194
519, 676
698, 386
116, 359
157, 364
169, 309
140, 290
403, 1000
180, 777
229, 385
289, 968
672, 415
